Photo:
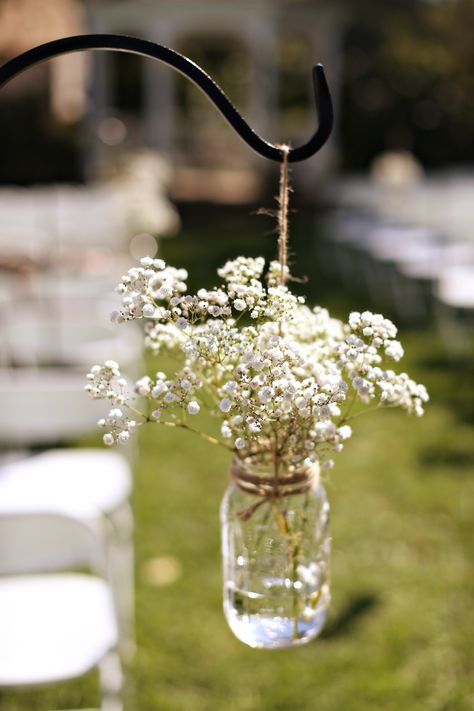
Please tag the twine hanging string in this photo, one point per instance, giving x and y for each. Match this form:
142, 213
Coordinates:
283, 202
299, 482
270, 488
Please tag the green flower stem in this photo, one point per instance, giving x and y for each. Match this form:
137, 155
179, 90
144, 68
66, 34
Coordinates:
203, 435
293, 543
136, 412
293, 546
348, 410
295, 595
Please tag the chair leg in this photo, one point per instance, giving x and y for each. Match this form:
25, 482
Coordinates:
111, 682
122, 569
454, 333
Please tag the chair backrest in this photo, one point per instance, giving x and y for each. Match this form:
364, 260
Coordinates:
41, 542
44, 405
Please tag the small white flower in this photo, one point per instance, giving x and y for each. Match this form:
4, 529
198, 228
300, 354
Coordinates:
226, 432
239, 443
240, 304
394, 350
193, 407
148, 310
254, 427
345, 431
116, 413
164, 292
116, 317
108, 439
159, 389
143, 386
265, 394
225, 404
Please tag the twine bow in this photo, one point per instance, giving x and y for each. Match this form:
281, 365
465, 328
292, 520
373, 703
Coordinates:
269, 488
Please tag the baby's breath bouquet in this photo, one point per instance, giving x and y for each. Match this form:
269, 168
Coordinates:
284, 382
281, 378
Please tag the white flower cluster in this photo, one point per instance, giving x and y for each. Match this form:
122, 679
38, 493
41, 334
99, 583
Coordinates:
274, 372
165, 394
105, 382
142, 286
371, 338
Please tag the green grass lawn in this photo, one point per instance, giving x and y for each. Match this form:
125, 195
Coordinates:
401, 629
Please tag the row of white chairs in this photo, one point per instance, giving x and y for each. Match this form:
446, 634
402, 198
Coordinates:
65, 509
47, 345
36, 221
412, 270
61, 511
67, 325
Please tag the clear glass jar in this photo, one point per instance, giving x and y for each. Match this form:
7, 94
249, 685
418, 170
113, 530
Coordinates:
276, 548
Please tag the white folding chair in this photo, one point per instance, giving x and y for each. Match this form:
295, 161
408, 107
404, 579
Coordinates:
55, 626
454, 291
92, 486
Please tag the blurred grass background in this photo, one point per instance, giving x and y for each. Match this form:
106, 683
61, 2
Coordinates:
401, 629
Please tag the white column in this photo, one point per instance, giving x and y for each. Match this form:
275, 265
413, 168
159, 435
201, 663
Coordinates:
327, 50
98, 100
262, 113
159, 84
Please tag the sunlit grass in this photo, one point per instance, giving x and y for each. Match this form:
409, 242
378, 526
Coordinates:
401, 630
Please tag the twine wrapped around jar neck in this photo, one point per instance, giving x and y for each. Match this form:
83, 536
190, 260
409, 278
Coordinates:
271, 487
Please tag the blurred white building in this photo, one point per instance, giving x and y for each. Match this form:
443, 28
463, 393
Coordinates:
261, 52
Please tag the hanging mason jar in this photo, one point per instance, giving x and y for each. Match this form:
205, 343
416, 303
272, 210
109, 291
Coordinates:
276, 546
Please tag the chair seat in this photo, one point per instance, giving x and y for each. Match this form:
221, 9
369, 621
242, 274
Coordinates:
79, 482
53, 627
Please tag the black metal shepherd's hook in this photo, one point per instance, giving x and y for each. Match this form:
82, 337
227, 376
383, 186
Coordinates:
184, 65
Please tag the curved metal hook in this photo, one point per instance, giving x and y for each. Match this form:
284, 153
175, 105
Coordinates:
184, 65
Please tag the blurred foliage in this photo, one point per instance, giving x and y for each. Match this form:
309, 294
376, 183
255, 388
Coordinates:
35, 148
127, 85
204, 138
408, 81
296, 56
222, 56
